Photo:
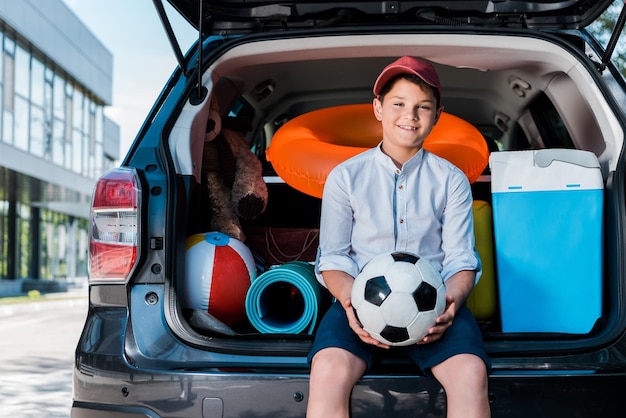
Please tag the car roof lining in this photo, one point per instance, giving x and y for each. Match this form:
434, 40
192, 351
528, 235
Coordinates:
346, 65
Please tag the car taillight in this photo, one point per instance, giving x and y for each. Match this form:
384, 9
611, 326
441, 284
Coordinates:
114, 226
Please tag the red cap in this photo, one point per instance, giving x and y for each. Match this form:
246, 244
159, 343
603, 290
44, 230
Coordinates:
408, 65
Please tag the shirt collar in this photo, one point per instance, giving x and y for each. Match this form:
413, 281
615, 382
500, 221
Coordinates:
388, 163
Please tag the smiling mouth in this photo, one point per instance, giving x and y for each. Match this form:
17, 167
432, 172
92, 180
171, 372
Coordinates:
407, 127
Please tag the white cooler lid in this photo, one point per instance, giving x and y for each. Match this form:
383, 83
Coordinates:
543, 170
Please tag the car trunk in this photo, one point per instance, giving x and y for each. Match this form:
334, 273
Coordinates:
523, 90
550, 73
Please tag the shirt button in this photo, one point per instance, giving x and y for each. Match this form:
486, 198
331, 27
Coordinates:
401, 187
401, 221
397, 171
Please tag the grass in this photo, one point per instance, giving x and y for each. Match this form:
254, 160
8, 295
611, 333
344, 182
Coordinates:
31, 296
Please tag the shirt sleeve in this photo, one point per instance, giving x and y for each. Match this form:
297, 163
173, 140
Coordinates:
458, 230
336, 224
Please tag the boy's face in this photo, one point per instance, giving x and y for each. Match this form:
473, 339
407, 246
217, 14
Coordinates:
408, 114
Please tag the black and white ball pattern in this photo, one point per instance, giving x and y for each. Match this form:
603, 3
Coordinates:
397, 297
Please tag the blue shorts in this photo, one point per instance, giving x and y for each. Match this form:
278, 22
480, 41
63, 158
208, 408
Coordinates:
463, 337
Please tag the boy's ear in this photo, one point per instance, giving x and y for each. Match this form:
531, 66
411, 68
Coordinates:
438, 115
378, 108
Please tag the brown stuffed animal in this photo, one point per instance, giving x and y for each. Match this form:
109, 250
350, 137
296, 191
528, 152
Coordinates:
234, 178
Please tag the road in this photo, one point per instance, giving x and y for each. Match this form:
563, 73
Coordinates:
36, 356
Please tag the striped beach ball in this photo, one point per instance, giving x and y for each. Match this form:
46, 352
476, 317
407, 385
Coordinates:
218, 273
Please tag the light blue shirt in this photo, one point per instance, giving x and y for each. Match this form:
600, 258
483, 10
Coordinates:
370, 206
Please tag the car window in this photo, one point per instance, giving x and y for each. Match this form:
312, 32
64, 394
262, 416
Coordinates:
550, 125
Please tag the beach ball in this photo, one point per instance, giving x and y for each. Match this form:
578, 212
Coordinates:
218, 273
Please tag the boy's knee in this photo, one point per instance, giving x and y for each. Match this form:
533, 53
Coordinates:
334, 365
475, 373
467, 368
465, 382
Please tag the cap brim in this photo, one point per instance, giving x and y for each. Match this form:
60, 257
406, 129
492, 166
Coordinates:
394, 70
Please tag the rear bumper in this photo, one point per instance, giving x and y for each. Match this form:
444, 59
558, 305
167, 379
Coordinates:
233, 393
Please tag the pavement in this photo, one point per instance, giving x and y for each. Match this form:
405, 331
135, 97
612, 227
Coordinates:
74, 296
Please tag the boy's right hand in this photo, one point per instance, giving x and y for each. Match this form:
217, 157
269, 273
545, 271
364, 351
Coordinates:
357, 327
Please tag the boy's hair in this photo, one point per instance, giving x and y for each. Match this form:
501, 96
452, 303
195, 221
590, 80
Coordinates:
413, 79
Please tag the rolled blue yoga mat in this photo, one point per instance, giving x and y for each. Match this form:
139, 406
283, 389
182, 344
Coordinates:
284, 300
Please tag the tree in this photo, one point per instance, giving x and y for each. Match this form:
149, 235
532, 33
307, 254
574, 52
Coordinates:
602, 29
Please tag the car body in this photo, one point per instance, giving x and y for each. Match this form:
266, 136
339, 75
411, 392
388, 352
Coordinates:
527, 75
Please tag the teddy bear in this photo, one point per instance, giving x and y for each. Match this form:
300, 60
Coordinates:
233, 176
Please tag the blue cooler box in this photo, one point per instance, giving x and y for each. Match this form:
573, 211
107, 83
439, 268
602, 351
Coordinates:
547, 212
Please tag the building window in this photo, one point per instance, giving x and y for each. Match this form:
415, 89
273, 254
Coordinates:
22, 72
77, 135
22, 125
66, 139
9, 86
59, 97
77, 115
90, 142
77, 147
96, 166
101, 162
37, 131
8, 97
37, 102
58, 141
4, 235
58, 125
48, 94
8, 70
24, 238
53, 258
37, 82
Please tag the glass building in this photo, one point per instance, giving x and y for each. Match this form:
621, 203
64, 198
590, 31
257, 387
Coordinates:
55, 80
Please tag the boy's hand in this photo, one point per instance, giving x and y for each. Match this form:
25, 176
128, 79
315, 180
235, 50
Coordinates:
357, 327
442, 322
458, 287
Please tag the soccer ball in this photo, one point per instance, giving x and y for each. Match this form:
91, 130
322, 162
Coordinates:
218, 273
397, 297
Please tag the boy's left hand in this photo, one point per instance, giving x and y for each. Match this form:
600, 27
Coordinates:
442, 322
458, 287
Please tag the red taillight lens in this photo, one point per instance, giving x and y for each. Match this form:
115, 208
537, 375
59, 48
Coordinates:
114, 226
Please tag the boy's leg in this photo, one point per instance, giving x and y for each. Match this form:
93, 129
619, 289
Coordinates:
334, 372
338, 359
459, 362
464, 379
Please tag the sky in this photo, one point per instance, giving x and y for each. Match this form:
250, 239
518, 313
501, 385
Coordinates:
143, 59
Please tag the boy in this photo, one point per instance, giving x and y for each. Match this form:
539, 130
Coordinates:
399, 197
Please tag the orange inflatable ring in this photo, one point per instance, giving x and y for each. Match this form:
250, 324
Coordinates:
305, 149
